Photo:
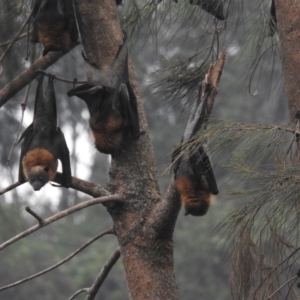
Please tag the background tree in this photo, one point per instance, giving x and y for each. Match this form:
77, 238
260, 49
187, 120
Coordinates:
178, 32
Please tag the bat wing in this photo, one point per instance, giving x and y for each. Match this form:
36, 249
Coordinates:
62, 151
213, 7
201, 165
38, 8
94, 95
68, 9
27, 137
129, 107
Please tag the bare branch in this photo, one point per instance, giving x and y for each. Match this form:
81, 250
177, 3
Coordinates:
108, 231
23, 106
35, 215
15, 38
78, 292
74, 81
282, 286
89, 188
103, 274
10, 187
62, 214
14, 86
21, 36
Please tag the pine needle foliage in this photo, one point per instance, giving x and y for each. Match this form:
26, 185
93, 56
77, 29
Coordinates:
263, 234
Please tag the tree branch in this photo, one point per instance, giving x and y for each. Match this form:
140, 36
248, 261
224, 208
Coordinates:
10, 187
89, 188
93, 290
78, 293
21, 36
14, 86
62, 214
35, 215
15, 38
108, 231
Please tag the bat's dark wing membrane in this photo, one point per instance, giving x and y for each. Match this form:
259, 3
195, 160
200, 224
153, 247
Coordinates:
128, 103
68, 10
27, 137
62, 151
38, 8
96, 97
201, 165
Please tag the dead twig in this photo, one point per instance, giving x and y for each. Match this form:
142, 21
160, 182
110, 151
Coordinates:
74, 81
15, 85
108, 231
35, 215
15, 38
93, 290
10, 187
62, 214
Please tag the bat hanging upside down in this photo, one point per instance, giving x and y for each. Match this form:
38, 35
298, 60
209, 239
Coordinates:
54, 24
193, 173
111, 102
44, 143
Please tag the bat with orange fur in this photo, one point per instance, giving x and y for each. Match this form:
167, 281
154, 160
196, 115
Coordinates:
54, 24
193, 173
111, 102
43, 142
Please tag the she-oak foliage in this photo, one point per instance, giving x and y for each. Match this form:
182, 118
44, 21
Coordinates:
262, 233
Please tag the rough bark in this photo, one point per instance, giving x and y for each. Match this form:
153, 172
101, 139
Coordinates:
288, 20
144, 224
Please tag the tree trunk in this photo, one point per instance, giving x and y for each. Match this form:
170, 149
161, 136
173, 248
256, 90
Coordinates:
144, 224
288, 20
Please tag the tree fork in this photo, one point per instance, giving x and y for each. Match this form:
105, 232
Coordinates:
145, 239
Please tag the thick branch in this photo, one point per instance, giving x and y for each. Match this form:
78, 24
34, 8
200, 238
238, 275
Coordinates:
89, 188
108, 231
28, 75
102, 275
62, 214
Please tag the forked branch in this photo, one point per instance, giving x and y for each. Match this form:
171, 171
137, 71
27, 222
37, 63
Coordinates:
62, 214
93, 290
108, 231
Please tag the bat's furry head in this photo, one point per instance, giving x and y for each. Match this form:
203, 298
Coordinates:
39, 167
38, 177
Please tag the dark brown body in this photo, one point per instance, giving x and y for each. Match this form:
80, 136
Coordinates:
194, 198
44, 143
108, 133
112, 104
54, 25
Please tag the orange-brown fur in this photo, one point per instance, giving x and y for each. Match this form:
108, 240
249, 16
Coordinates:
108, 135
39, 158
195, 199
53, 35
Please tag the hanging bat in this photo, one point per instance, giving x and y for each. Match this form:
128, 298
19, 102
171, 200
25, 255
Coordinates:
273, 19
119, 2
43, 142
193, 173
213, 7
111, 102
54, 24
